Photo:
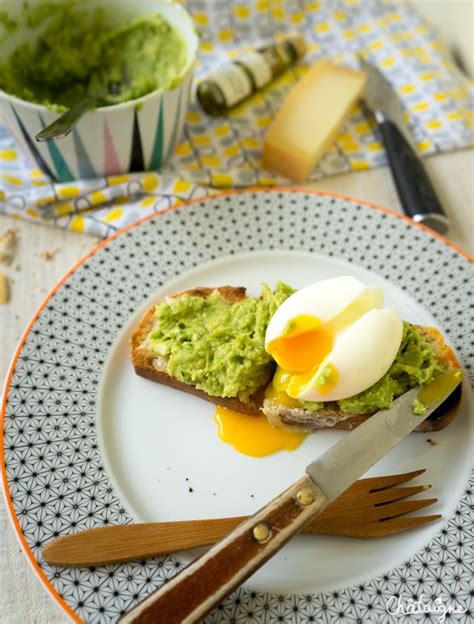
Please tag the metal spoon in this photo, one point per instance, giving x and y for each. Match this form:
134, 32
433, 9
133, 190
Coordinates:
63, 125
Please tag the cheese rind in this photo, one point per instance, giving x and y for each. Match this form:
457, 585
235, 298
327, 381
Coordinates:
310, 117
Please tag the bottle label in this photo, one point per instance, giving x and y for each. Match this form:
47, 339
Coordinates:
258, 66
233, 82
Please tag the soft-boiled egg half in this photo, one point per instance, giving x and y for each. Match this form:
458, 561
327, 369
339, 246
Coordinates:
332, 340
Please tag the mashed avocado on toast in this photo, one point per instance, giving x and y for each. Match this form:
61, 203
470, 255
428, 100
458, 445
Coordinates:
216, 346
415, 363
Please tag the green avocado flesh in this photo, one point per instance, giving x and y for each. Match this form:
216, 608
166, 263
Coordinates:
415, 363
216, 346
78, 54
219, 348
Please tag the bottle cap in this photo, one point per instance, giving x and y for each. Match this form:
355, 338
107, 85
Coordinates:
298, 42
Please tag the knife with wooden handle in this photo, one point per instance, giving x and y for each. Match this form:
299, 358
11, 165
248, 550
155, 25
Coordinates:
415, 189
204, 583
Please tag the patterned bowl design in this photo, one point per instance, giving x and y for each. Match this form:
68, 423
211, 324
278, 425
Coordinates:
132, 136
55, 481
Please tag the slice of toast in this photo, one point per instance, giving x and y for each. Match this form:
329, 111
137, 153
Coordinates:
299, 418
148, 365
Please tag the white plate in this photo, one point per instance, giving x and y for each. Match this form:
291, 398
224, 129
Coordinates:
158, 442
71, 376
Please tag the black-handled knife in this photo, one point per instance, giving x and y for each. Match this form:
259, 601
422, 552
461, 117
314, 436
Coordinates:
415, 189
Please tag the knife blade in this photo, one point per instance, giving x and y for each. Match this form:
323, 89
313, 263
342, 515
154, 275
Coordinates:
415, 189
353, 455
202, 585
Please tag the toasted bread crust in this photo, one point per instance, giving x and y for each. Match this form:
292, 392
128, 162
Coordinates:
142, 357
297, 418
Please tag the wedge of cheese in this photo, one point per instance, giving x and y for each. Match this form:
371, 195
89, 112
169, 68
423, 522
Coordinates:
310, 117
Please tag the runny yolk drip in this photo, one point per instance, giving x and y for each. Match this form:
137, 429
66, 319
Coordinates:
299, 352
254, 435
290, 385
277, 392
304, 344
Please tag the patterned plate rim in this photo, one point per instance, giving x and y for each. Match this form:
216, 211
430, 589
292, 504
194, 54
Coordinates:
178, 205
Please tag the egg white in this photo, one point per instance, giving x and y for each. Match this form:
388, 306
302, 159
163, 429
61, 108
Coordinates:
325, 301
365, 337
361, 355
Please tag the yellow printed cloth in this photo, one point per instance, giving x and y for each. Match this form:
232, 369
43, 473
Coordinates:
226, 152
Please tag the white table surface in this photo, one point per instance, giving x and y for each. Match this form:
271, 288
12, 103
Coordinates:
22, 598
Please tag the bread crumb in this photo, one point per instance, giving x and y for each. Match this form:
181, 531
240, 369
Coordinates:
49, 255
432, 442
7, 246
4, 289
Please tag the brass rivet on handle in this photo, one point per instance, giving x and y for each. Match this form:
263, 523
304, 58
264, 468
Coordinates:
305, 497
261, 532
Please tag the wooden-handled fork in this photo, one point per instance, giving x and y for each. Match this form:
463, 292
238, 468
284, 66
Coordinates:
369, 508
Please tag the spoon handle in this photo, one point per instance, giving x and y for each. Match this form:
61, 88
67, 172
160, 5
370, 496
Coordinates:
63, 125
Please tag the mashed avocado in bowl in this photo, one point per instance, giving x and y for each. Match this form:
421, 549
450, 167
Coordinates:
137, 57
79, 52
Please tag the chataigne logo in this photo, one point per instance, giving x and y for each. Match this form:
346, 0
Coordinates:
398, 606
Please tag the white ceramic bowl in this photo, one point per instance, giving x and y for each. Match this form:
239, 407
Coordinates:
140, 134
